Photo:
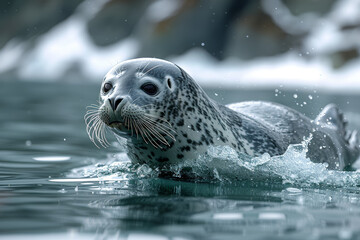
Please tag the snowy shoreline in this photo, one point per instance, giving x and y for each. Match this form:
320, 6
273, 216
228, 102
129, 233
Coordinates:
67, 53
288, 71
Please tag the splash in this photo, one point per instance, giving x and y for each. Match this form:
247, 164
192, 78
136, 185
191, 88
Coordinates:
293, 167
224, 165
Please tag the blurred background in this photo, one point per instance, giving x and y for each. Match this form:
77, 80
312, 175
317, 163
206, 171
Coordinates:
244, 43
53, 56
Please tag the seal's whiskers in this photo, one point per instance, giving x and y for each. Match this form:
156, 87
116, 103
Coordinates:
151, 128
95, 128
150, 70
143, 69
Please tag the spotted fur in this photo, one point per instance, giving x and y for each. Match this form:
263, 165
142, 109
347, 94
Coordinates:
251, 128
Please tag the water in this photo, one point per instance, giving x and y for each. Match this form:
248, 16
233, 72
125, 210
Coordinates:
55, 183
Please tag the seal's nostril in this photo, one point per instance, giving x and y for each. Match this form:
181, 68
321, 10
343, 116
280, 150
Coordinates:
114, 103
118, 101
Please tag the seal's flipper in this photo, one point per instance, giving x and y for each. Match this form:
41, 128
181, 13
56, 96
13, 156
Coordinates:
331, 116
353, 141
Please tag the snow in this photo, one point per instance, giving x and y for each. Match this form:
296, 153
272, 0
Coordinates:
67, 48
10, 55
163, 9
68, 44
289, 70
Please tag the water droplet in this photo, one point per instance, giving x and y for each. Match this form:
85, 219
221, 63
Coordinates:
300, 200
304, 103
76, 189
216, 94
64, 139
295, 95
247, 36
202, 44
28, 143
300, 54
310, 97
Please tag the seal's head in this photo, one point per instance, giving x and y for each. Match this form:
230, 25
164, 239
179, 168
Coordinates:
157, 107
130, 96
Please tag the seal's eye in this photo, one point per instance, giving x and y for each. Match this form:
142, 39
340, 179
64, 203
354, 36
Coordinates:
107, 87
150, 88
169, 82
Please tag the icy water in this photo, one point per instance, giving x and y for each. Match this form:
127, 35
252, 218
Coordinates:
55, 183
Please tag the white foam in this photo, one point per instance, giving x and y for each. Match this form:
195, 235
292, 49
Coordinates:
223, 164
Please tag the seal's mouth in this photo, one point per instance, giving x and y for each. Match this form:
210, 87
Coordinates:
115, 124
119, 128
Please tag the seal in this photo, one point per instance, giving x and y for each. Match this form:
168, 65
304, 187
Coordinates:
166, 118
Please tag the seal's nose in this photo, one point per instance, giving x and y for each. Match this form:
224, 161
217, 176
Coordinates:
114, 102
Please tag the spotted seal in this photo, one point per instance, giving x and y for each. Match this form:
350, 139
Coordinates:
166, 117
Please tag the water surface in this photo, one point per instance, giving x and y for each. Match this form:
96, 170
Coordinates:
55, 183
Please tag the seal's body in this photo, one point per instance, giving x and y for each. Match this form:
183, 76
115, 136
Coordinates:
167, 118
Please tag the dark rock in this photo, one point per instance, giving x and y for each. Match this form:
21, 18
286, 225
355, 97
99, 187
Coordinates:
28, 19
340, 58
116, 20
195, 23
254, 34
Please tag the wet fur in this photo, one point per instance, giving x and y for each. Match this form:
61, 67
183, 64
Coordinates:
191, 121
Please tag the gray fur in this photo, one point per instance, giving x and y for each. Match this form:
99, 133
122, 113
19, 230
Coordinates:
197, 121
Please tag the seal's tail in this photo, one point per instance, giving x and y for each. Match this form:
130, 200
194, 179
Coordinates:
333, 117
